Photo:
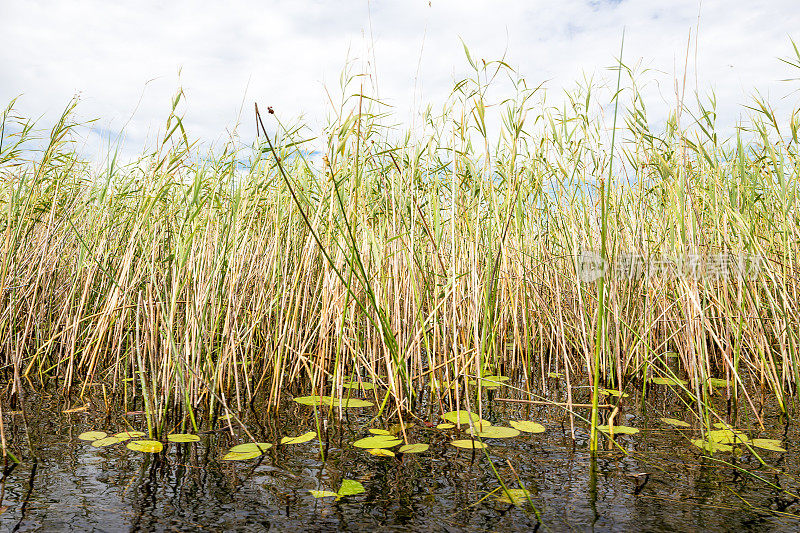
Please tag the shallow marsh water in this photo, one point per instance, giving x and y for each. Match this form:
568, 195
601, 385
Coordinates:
658, 481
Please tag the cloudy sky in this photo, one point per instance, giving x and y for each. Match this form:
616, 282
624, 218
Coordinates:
123, 58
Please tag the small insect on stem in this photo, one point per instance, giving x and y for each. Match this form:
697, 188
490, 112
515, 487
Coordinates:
270, 110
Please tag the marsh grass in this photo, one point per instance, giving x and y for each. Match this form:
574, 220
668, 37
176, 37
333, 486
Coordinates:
194, 285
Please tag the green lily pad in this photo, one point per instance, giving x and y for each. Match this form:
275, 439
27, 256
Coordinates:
675, 422
146, 446
380, 431
527, 426
413, 448
349, 487
460, 417
353, 403
250, 447
726, 436
619, 430
717, 382
380, 452
378, 441
364, 385
241, 456
468, 443
555, 375
322, 493
125, 435
613, 392
514, 496
446, 425
93, 435
668, 381
491, 382
711, 446
314, 400
107, 441
498, 432
768, 444
182, 437
305, 437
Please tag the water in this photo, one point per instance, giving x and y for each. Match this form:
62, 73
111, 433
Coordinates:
658, 483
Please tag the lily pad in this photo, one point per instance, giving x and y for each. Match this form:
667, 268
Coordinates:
375, 431
555, 375
314, 400
726, 436
182, 437
93, 435
146, 446
619, 430
768, 444
675, 422
445, 425
413, 448
323, 494
498, 432
107, 441
514, 496
613, 392
668, 381
491, 382
364, 385
300, 439
378, 441
380, 452
468, 443
353, 403
241, 456
527, 426
125, 435
349, 487
250, 447
711, 446
717, 382
460, 417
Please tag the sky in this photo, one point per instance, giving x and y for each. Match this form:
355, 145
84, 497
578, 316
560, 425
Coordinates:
127, 59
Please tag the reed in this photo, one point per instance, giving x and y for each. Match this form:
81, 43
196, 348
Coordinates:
196, 284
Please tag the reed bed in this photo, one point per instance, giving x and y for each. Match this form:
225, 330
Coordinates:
416, 259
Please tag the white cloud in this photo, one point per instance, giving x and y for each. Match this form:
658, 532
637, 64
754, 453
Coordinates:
113, 53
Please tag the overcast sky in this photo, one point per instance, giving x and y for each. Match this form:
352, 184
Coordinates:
125, 56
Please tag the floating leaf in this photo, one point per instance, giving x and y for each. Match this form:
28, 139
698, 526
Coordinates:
349, 488
413, 448
182, 437
225, 417
146, 446
314, 400
125, 435
676, 422
498, 432
378, 441
241, 456
555, 375
380, 431
305, 437
468, 443
711, 446
726, 436
353, 403
514, 496
668, 381
322, 493
380, 452
93, 435
720, 425
446, 425
250, 447
364, 385
527, 426
613, 392
619, 430
490, 381
107, 441
768, 444
717, 382
460, 417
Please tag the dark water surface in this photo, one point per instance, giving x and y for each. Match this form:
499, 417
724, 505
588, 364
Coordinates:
659, 482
